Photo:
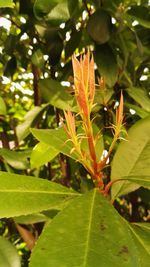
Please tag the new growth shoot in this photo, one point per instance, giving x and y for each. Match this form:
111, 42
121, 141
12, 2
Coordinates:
84, 82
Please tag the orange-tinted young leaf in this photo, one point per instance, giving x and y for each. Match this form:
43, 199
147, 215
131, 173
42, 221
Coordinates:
119, 112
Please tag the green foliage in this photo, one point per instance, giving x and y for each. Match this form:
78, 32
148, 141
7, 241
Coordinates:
68, 220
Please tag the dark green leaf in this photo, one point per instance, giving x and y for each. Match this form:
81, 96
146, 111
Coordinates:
106, 63
99, 26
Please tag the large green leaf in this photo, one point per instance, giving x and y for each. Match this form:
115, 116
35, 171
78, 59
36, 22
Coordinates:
141, 237
140, 96
21, 195
55, 93
88, 233
107, 64
6, 3
8, 254
29, 120
132, 157
16, 159
41, 154
99, 26
56, 138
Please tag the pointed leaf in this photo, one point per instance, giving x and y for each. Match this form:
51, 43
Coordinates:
132, 157
21, 195
31, 116
88, 233
56, 138
8, 254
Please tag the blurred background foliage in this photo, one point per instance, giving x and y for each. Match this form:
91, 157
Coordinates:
37, 41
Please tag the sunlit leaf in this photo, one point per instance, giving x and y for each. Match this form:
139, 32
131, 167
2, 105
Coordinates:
22, 195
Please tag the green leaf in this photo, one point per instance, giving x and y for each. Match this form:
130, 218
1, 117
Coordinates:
140, 96
55, 11
6, 3
88, 233
99, 26
16, 159
8, 254
55, 93
139, 111
141, 14
141, 180
3, 110
106, 63
37, 58
56, 138
41, 154
132, 157
31, 218
29, 120
73, 43
22, 195
141, 237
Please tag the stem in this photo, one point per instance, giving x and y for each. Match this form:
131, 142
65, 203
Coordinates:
35, 71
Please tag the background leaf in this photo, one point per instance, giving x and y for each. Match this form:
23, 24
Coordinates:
6, 3
140, 96
106, 63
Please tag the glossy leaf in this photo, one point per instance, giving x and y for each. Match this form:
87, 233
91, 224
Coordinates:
140, 96
8, 254
6, 3
41, 154
99, 26
141, 237
22, 195
3, 110
56, 138
16, 159
132, 157
107, 65
86, 235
